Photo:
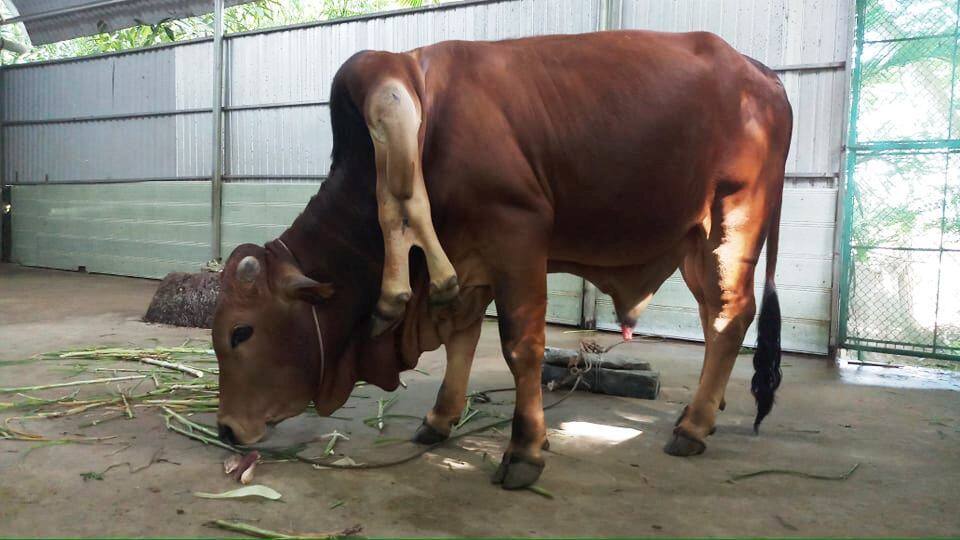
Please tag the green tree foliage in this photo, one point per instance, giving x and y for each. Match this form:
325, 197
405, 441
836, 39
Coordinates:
242, 18
907, 41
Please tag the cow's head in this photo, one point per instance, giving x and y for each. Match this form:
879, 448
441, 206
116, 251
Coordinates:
267, 344
271, 320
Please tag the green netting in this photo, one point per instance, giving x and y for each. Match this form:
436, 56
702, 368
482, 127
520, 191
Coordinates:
904, 80
898, 200
900, 291
884, 20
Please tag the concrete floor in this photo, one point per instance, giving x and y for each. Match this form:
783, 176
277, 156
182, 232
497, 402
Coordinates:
606, 482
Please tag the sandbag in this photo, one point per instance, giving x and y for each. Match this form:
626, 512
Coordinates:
614, 375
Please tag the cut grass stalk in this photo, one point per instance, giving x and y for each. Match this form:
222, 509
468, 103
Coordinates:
189, 432
81, 407
191, 424
383, 405
145, 356
95, 423
801, 474
334, 437
374, 421
37, 402
126, 405
108, 352
468, 416
170, 365
183, 402
10, 434
251, 530
66, 384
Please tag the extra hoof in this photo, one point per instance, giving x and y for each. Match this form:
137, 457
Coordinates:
684, 445
444, 292
429, 435
546, 444
380, 324
515, 473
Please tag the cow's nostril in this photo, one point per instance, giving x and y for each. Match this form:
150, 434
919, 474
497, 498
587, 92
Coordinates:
226, 434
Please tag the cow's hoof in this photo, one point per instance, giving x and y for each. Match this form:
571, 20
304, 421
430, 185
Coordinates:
683, 445
517, 473
445, 292
381, 324
680, 418
429, 435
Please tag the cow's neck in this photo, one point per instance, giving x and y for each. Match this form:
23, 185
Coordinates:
337, 238
339, 225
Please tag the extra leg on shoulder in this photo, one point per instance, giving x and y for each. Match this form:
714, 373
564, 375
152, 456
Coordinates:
393, 118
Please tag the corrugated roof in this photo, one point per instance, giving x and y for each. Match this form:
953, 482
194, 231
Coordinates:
49, 21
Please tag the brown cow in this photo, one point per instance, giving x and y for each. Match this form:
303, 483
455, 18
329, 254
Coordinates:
616, 156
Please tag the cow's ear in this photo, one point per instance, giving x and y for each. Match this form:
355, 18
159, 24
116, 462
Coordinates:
300, 287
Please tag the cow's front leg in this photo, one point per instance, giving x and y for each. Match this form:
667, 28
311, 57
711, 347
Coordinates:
393, 118
451, 398
521, 299
395, 288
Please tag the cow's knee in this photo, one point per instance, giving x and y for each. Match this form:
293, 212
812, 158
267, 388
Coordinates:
444, 288
735, 315
388, 311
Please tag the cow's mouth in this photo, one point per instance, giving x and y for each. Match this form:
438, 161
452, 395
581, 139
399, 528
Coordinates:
236, 433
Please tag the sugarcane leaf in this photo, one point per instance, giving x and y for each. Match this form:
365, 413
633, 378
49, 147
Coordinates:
255, 490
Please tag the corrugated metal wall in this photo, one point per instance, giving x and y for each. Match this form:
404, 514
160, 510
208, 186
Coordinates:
137, 125
109, 159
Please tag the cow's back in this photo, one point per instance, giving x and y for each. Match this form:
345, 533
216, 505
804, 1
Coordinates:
617, 132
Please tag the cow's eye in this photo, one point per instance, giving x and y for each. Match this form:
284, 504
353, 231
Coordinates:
240, 334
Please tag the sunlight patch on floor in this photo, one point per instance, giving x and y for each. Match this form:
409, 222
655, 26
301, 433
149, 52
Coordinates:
457, 465
642, 418
598, 432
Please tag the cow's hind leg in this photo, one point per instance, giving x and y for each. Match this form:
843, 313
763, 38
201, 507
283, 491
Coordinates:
393, 118
451, 398
719, 270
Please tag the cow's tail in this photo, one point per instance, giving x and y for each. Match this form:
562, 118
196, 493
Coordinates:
766, 359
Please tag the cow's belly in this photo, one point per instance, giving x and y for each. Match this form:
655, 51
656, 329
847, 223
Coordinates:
628, 218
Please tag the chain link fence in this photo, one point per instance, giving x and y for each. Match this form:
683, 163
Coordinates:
901, 259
